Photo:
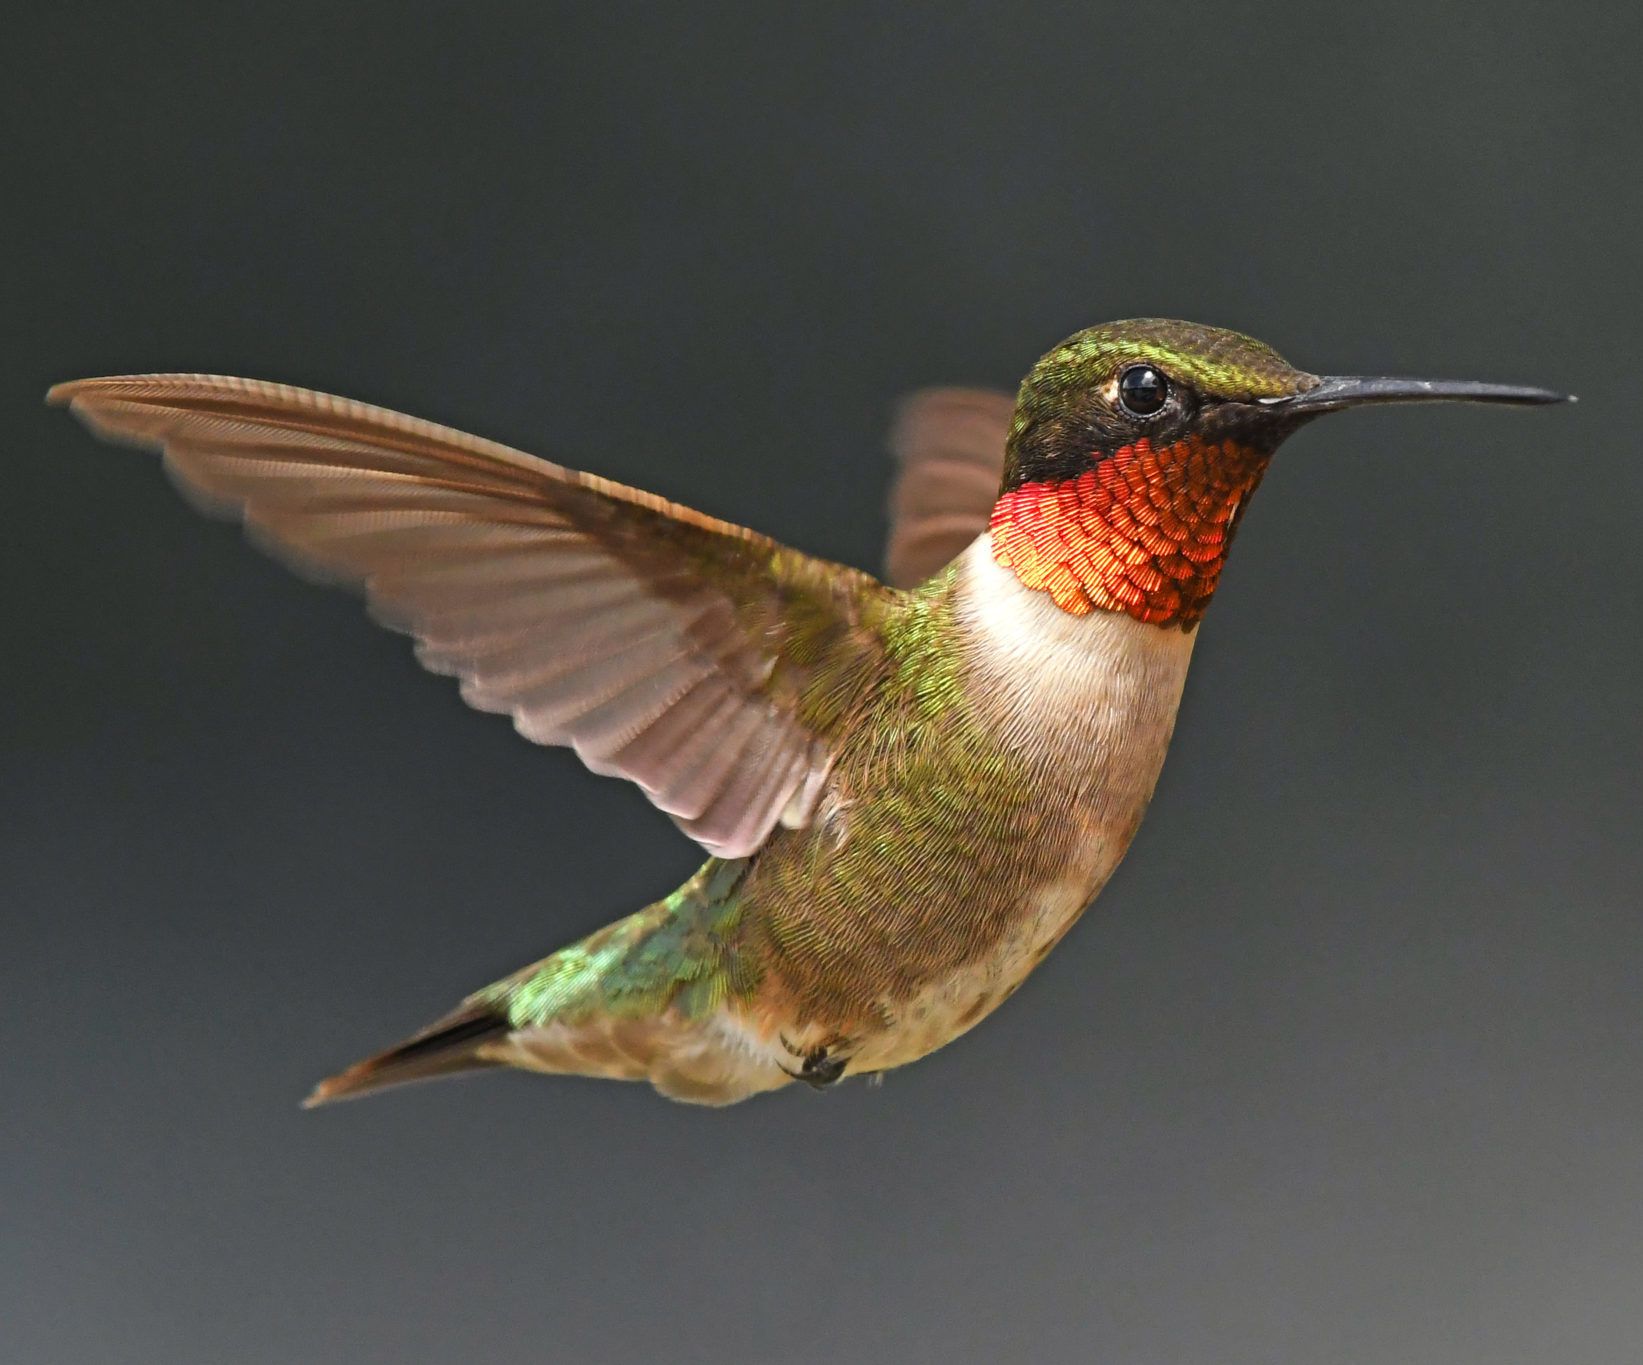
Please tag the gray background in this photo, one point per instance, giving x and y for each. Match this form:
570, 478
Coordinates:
1348, 1065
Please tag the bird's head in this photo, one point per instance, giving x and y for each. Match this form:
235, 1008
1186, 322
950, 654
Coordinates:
1136, 445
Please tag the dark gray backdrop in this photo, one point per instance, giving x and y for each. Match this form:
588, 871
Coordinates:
1346, 1066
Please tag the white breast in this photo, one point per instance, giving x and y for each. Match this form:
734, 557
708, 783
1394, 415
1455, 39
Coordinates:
1090, 702
1095, 695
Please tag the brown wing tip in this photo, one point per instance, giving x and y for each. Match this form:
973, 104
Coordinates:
158, 387
71, 391
58, 395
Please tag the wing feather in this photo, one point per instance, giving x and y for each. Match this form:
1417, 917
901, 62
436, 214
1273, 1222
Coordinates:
702, 661
949, 448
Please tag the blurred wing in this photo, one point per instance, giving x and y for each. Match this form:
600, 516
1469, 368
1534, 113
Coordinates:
949, 446
706, 663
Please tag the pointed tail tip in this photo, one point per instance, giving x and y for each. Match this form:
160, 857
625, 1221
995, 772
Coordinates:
449, 1047
364, 1077
342, 1086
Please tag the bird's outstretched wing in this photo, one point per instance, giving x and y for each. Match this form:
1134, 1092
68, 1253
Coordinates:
949, 448
709, 664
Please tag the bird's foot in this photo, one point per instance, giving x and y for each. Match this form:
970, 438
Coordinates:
818, 1068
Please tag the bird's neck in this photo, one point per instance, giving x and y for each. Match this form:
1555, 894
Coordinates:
1142, 531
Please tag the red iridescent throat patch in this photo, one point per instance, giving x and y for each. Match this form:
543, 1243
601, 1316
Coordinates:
1142, 531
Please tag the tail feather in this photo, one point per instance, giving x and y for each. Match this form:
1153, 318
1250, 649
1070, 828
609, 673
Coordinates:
449, 1046
650, 997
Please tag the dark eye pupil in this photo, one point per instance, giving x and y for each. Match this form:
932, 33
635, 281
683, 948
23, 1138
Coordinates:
1142, 390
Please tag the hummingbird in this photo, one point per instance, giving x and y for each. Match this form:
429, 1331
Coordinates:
909, 790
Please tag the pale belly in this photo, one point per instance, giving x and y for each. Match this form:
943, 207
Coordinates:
944, 1009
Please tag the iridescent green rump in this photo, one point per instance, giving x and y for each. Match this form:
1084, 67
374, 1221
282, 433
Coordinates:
675, 953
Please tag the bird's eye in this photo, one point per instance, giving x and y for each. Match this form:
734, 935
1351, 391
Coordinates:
1142, 391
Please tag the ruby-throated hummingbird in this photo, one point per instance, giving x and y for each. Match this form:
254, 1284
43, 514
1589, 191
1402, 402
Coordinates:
909, 792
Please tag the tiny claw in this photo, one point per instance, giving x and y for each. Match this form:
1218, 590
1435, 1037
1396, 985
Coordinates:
820, 1069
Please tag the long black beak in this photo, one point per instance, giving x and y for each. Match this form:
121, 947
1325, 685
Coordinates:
1335, 392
